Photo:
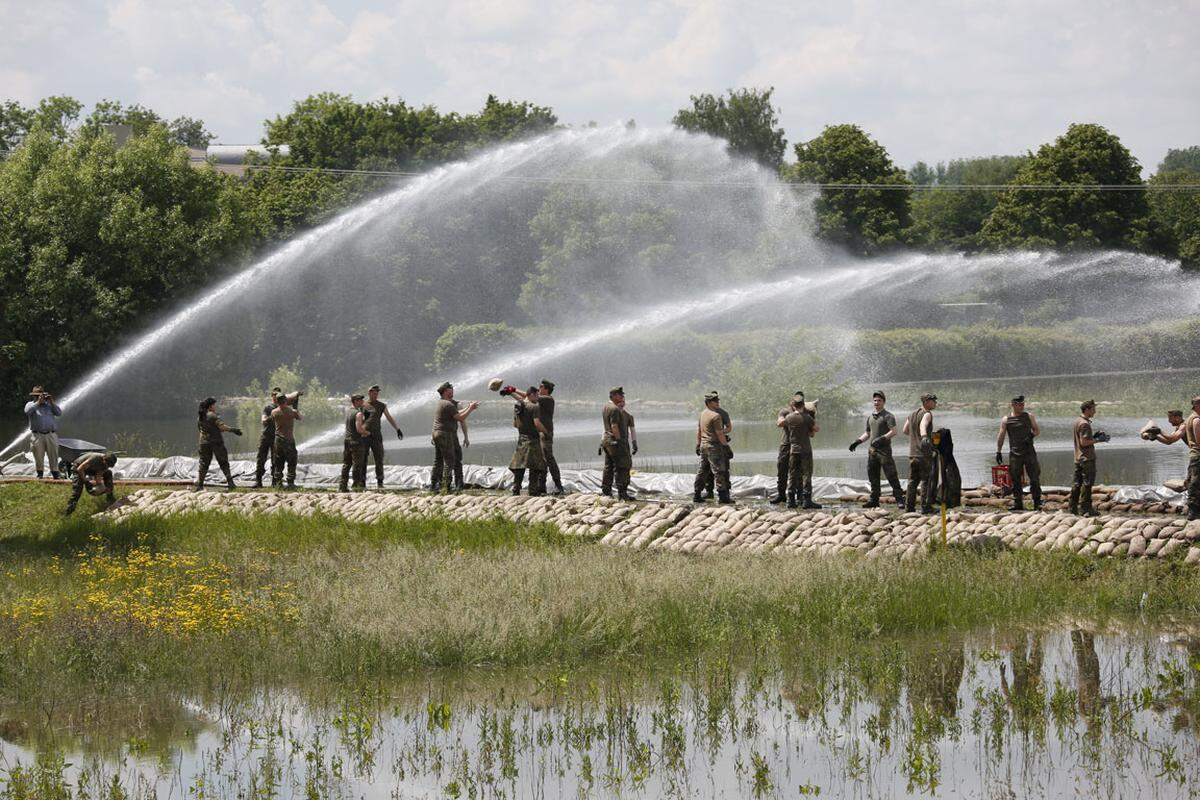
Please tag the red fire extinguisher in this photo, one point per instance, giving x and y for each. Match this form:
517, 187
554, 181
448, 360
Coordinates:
1001, 477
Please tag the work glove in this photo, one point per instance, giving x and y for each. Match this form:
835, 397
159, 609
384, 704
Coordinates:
507, 390
999, 457
1101, 436
236, 431
879, 441
600, 450
854, 445
635, 447
399, 433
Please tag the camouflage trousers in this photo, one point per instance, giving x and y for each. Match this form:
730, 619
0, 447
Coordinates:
800, 470
354, 463
551, 462
618, 462
104, 485
284, 455
713, 469
207, 453
374, 448
1081, 486
528, 454
922, 476
1021, 465
781, 469
266, 447
881, 461
1193, 485
446, 459
435, 482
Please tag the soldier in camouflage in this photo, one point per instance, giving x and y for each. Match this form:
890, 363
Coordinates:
528, 453
212, 442
266, 441
446, 419
355, 438
614, 444
284, 420
1020, 427
922, 465
1085, 460
711, 445
800, 425
377, 413
880, 430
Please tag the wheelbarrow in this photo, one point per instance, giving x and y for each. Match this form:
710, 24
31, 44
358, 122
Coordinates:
71, 449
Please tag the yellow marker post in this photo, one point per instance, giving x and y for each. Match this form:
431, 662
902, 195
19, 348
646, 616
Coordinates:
937, 462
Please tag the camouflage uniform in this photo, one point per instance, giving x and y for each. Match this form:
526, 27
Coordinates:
1022, 459
448, 451
90, 466
1193, 472
922, 469
212, 445
266, 446
714, 461
284, 454
354, 452
546, 412
879, 459
374, 445
709, 483
1085, 468
618, 461
782, 459
799, 428
528, 453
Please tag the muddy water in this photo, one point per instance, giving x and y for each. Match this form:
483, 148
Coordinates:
1066, 712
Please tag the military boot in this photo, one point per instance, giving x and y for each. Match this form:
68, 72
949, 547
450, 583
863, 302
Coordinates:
537, 483
724, 498
343, 488
791, 500
808, 501
781, 497
1035, 493
1073, 503
229, 481
708, 494
518, 479
697, 497
258, 476
623, 494
899, 498
872, 503
1018, 503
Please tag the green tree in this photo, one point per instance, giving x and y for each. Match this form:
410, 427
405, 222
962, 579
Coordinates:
744, 117
1176, 216
951, 218
1079, 218
921, 174
186, 131
864, 220
463, 344
92, 239
754, 380
53, 115
1185, 158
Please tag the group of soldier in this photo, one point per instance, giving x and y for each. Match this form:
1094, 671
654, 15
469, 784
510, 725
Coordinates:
533, 419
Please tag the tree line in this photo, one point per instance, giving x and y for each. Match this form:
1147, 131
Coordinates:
96, 239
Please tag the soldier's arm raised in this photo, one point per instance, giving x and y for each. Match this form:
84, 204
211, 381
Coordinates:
462, 415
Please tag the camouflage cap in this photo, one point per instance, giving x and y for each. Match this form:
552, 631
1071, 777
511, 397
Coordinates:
354, 397
444, 386
798, 393
879, 394
1019, 398
711, 396
616, 390
549, 384
276, 391
374, 388
925, 398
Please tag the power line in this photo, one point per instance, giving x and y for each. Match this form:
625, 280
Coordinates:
1037, 187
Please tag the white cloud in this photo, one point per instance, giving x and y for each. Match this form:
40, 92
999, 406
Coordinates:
930, 79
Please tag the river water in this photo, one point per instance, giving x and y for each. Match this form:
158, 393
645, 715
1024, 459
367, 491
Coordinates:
1014, 713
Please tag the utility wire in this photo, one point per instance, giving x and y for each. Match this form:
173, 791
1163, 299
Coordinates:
1037, 187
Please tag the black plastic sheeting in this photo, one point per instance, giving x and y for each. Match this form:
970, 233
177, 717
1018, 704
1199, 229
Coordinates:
183, 468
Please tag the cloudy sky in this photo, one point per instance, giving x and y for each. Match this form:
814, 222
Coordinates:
931, 80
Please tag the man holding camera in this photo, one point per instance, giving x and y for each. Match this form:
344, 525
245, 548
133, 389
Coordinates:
1085, 460
43, 414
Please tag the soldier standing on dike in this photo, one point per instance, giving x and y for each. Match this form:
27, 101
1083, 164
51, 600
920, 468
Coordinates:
546, 412
1188, 430
212, 442
711, 445
800, 425
446, 418
881, 429
92, 471
1085, 460
528, 453
922, 470
1021, 428
284, 454
266, 441
354, 444
378, 411
727, 424
618, 460
783, 459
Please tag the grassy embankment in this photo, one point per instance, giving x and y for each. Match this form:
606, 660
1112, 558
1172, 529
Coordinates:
213, 596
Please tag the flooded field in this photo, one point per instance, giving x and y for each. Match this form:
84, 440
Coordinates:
1014, 713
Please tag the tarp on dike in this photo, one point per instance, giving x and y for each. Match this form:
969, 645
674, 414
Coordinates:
183, 468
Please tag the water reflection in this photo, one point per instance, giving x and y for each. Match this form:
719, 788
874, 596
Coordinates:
1013, 714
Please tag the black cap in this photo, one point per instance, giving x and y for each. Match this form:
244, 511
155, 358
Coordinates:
879, 394
444, 386
1019, 398
374, 388
549, 384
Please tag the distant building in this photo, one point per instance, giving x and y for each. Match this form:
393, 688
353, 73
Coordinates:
232, 158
